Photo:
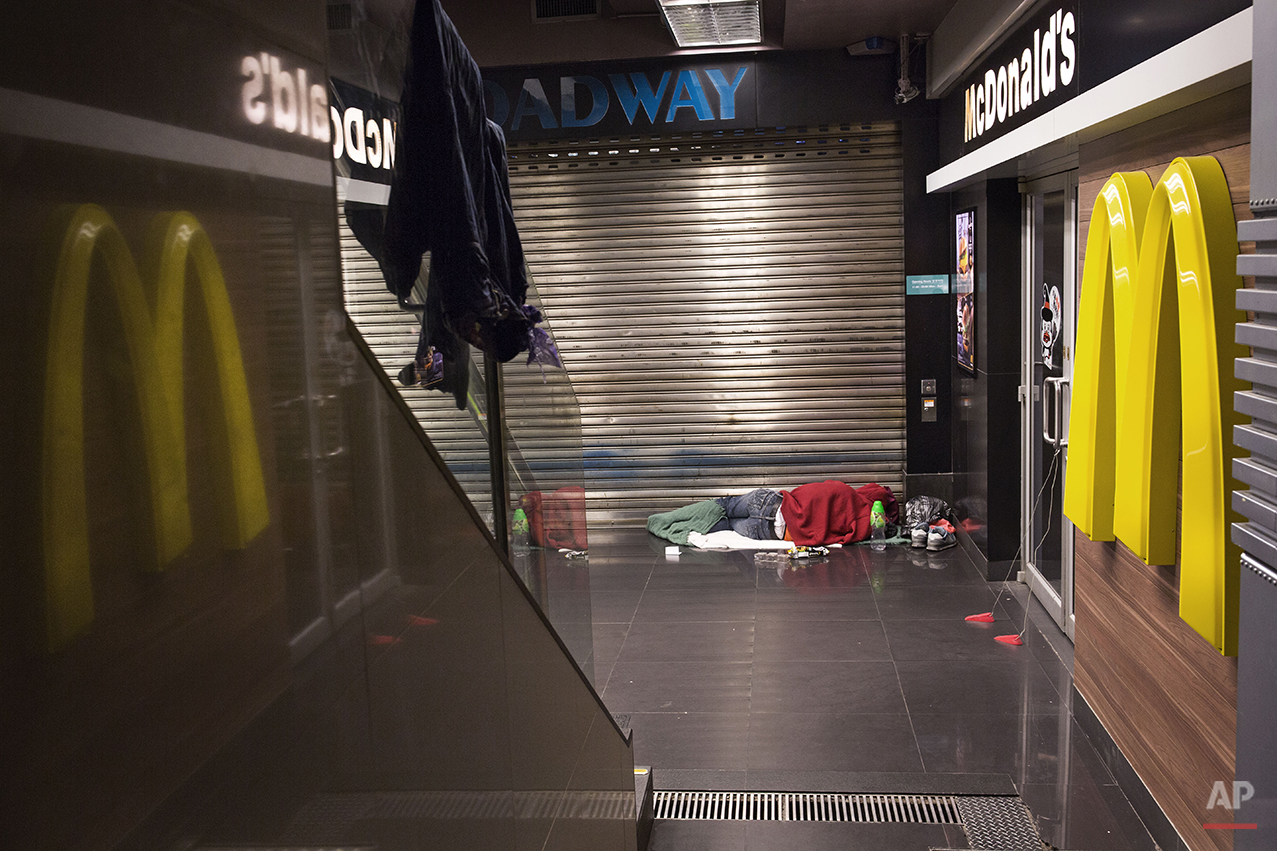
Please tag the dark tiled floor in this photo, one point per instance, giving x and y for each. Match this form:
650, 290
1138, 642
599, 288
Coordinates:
861, 662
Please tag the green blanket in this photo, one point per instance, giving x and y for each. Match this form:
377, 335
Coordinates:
676, 525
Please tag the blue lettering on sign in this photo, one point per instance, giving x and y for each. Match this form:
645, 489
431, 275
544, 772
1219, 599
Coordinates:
641, 93
567, 101
500, 101
633, 90
689, 82
532, 101
726, 91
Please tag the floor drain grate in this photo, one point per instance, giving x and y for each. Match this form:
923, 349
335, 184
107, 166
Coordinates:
1002, 823
807, 806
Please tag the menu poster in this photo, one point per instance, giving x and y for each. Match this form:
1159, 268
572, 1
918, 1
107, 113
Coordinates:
965, 290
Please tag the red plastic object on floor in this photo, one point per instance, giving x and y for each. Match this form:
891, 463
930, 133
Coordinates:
985, 617
1009, 639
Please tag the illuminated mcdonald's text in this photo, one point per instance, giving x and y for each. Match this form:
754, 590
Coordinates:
364, 140
293, 104
1050, 62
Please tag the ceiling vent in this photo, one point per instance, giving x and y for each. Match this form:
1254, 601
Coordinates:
709, 23
341, 17
564, 10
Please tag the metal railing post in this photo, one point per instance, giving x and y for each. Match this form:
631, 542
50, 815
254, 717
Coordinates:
497, 451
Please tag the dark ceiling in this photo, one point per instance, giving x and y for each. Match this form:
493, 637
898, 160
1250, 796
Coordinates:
503, 32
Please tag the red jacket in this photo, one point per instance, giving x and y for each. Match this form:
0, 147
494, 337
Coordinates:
832, 512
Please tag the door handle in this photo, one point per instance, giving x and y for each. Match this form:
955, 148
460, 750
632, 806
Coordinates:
1052, 388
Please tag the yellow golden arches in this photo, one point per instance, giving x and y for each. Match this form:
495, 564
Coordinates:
1191, 205
1101, 355
155, 351
1173, 377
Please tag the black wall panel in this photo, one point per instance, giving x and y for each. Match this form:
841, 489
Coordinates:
986, 410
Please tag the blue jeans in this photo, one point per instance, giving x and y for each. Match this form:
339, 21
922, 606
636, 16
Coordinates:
753, 514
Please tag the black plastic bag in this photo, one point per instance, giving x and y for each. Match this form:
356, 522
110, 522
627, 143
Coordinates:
925, 510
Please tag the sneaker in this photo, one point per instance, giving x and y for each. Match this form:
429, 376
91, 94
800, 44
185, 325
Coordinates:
941, 536
918, 536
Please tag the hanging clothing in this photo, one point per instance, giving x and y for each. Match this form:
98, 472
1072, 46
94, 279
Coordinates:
436, 335
435, 338
450, 195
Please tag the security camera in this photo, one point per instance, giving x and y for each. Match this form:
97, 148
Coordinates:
905, 89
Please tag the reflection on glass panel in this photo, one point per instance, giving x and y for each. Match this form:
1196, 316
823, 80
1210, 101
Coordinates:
147, 593
203, 469
549, 542
334, 376
455, 422
291, 392
544, 454
1046, 467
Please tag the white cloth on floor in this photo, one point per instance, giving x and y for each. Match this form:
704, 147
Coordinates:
729, 540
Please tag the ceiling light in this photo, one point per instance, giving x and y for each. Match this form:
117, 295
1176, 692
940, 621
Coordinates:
705, 23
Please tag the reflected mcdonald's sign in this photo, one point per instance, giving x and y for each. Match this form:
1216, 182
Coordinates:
1155, 253
154, 339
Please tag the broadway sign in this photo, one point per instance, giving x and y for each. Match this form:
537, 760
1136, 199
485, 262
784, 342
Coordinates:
648, 99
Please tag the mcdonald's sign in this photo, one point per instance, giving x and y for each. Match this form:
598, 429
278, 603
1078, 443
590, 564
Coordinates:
154, 339
1155, 253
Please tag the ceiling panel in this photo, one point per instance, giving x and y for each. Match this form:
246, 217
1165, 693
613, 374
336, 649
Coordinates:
813, 24
502, 32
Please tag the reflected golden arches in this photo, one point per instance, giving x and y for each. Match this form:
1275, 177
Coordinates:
154, 341
244, 511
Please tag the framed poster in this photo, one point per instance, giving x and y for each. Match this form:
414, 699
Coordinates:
964, 288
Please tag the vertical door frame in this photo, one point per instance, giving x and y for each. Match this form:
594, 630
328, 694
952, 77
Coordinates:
1060, 605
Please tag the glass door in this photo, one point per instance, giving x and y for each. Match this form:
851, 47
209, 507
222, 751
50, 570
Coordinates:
1050, 299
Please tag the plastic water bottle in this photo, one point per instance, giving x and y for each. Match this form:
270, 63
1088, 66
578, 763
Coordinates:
519, 529
878, 526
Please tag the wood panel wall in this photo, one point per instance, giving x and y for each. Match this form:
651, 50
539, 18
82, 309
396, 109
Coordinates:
1165, 695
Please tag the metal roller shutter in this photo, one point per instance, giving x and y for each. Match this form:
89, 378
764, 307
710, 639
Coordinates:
730, 307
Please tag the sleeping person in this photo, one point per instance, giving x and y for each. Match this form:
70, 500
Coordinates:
821, 513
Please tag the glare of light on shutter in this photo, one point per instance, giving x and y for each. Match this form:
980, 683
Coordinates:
702, 23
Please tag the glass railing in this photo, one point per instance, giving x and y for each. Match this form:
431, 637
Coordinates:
457, 427
532, 498
548, 543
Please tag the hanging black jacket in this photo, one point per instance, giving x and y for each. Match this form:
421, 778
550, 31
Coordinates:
368, 223
450, 195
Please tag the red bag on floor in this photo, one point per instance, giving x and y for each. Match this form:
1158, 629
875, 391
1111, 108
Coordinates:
557, 519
